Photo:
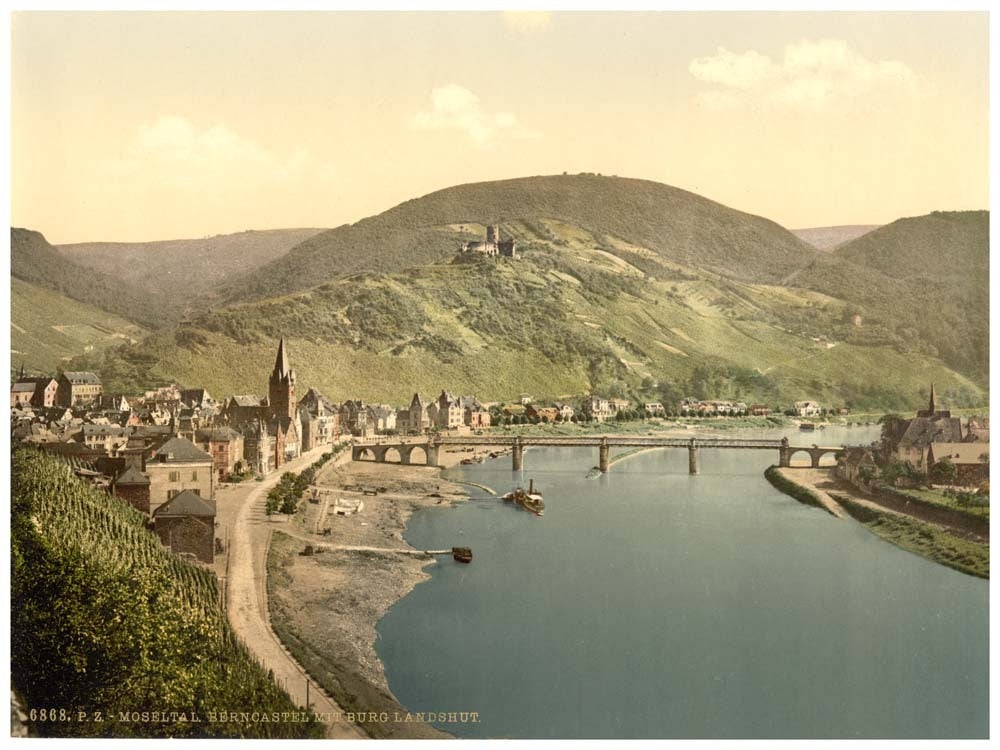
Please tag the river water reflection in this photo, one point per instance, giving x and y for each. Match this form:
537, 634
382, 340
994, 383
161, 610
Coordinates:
650, 603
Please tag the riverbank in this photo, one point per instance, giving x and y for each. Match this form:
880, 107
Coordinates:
325, 606
948, 538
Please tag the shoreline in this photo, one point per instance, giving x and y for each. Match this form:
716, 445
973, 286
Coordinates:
944, 541
326, 606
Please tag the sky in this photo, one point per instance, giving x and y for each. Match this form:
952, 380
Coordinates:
147, 126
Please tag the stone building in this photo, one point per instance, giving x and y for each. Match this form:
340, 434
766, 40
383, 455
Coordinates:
446, 412
971, 460
912, 437
597, 408
132, 486
78, 389
494, 245
415, 419
225, 446
179, 465
186, 525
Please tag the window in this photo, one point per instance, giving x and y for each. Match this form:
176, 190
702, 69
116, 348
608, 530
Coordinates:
175, 476
171, 494
194, 475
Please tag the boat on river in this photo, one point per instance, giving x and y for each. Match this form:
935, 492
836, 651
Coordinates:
530, 500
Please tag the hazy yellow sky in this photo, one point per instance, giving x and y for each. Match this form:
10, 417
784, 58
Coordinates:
141, 126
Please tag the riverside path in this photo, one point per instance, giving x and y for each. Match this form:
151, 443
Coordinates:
246, 596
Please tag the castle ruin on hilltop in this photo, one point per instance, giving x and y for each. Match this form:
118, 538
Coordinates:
493, 246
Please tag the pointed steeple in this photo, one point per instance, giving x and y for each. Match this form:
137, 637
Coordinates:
281, 364
932, 407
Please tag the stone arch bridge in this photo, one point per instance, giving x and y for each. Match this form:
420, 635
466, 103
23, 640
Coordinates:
405, 450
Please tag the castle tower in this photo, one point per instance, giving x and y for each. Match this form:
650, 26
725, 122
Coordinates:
493, 233
281, 386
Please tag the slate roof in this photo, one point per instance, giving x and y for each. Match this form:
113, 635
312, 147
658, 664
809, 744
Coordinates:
22, 388
219, 434
187, 503
960, 453
246, 400
82, 378
924, 430
132, 475
180, 450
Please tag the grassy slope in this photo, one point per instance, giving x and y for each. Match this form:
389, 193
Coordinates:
568, 317
200, 264
47, 329
35, 261
920, 284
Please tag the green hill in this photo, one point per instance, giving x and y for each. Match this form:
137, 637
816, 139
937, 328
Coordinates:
673, 224
576, 313
47, 329
35, 261
191, 267
105, 619
919, 284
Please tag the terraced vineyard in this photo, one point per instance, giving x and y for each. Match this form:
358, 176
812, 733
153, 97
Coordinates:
107, 622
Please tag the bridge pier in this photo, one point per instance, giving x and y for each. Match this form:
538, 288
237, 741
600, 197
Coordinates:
784, 454
692, 458
603, 462
517, 456
432, 454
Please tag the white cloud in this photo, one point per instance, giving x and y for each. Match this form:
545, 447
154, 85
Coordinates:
454, 107
527, 21
810, 74
173, 153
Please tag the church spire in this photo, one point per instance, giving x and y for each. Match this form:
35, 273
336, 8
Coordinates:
281, 366
932, 407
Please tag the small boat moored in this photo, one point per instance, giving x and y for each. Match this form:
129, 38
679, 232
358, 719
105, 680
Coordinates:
462, 554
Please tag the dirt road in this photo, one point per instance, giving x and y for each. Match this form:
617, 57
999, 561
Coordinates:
247, 598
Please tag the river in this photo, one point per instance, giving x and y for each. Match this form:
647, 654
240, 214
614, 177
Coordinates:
648, 603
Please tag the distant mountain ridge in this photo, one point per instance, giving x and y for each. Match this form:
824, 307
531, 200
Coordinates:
34, 260
829, 238
195, 265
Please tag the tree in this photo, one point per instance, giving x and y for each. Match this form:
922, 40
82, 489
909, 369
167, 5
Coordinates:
943, 471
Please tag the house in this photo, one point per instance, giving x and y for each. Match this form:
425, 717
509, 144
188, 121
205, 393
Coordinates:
807, 409
857, 465
259, 447
132, 486
446, 413
382, 417
179, 465
320, 420
78, 389
546, 414
225, 446
354, 418
971, 460
565, 411
618, 404
21, 394
474, 414
909, 439
197, 397
597, 408
417, 419
114, 402
654, 409
186, 525
107, 439
688, 406
759, 410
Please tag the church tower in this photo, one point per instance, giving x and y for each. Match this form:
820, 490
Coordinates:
932, 408
281, 386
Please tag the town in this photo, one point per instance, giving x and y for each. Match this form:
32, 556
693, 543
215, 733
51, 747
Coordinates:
167, 451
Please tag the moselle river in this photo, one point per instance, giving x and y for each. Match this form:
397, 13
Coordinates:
650, 603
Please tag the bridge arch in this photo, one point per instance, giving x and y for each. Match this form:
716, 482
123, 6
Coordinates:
795, 452
395, 454
417, 454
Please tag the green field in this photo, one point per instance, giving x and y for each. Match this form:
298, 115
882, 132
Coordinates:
47, 329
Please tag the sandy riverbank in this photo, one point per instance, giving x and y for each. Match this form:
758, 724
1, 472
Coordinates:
325, 606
